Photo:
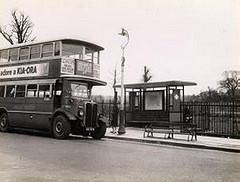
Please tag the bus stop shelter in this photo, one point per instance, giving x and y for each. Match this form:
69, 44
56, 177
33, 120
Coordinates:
154, 101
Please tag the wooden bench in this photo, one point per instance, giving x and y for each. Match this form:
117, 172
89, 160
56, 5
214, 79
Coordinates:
170, 128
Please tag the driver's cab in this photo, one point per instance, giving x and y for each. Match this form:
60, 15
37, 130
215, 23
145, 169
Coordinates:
73, 98
72, 94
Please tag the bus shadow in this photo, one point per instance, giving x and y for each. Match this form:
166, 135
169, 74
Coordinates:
43, 134
30, 133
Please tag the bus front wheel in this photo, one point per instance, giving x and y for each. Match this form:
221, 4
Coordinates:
4, 122
61, 127
99, 131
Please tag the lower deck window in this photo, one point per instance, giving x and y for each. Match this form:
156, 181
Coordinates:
32, 90
20, 91
2, 89
44, 91
10, 91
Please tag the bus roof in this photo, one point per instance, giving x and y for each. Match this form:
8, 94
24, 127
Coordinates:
64, 40
94, 81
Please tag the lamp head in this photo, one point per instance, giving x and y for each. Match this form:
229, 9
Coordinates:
123, 33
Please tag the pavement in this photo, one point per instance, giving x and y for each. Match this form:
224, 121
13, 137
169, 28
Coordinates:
203, 142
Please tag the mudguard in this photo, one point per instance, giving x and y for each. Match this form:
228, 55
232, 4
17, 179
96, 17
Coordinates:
69, 115
3, 109
102, 119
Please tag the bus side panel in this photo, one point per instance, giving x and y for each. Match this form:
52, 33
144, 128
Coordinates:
40, 109
16, 111
2, 102
44, 105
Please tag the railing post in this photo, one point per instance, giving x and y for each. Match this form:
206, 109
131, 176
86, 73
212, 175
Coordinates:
102, 106
233, 116
109, 109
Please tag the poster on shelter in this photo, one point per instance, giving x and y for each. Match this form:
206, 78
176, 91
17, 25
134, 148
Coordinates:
154, 100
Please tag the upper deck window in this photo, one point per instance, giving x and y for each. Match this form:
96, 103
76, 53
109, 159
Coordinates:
13, 55
88, 55
57, 49
73, 51
80, 52
96, 57
35, 51
3, 56
47, 50
24, 53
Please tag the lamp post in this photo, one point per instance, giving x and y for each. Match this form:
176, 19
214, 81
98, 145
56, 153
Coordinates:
121, 129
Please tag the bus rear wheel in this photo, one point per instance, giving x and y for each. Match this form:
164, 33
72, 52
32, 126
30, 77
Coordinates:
4, 122
99, 131
61, 127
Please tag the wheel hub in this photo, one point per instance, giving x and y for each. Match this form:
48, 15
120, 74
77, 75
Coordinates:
3, 122
59, 127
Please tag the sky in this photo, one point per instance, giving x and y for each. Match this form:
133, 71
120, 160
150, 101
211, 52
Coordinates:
188, 40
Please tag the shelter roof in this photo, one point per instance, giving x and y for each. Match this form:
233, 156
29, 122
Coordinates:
158, 84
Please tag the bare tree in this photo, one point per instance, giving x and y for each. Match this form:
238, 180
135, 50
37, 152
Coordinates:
231, 82
19, 30
146, 75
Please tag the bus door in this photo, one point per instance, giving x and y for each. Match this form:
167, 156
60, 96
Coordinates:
58, 89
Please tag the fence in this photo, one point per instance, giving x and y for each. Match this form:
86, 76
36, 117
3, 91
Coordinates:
106, 108
221, 119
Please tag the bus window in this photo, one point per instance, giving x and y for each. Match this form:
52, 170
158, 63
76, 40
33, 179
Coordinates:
57, 49
79, 90
35, 51
13, 54
32, 90
20, 91
44, 91
47, 50
96, 57
2, 89
10, 91
73, 51
88, 55
24, 53
4, 56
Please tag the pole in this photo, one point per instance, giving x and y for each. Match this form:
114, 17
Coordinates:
121, 129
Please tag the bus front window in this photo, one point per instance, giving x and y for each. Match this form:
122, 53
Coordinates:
79, 90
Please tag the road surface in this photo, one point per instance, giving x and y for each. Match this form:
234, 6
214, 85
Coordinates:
37, 158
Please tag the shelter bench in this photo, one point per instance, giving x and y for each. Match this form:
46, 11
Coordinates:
170, 128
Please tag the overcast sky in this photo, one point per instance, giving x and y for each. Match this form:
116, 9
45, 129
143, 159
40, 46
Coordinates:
189, 40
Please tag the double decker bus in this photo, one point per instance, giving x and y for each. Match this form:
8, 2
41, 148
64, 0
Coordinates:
46, 86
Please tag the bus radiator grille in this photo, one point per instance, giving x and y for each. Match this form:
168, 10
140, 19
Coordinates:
91, 115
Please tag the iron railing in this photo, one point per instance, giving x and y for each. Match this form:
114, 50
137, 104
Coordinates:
222, 118
106, 108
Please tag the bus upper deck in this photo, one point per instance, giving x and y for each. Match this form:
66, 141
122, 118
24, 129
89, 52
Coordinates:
51, 58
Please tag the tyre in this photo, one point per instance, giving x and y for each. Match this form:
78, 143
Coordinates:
4, 122
61, 127
100, 131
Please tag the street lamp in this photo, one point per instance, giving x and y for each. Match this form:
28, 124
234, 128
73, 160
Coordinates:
121, 129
